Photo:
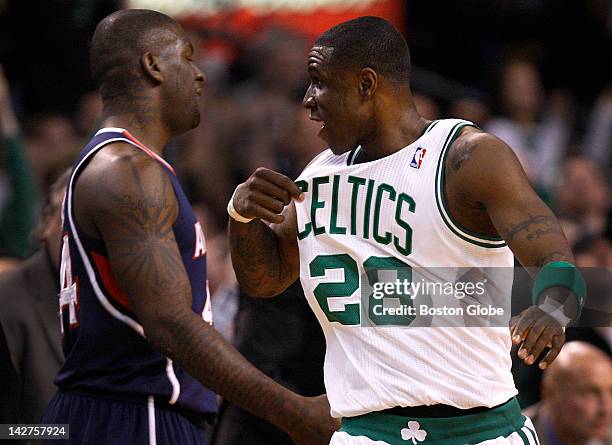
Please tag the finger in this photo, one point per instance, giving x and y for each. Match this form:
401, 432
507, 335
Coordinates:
267, 202
544, 340
272, 190
257, 211
523, 326
516, 339
280, 180
557, 342
534, 335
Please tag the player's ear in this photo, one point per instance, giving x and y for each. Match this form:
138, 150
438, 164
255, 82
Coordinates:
368, 82
151, 67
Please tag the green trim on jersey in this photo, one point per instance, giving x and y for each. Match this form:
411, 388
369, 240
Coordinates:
502, 421
465, 234
429, 127
352, 155
350, 160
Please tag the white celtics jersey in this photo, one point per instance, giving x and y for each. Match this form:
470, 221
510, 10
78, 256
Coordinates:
385, 221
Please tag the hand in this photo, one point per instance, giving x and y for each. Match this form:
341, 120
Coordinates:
535, 330
265, 194
314, 424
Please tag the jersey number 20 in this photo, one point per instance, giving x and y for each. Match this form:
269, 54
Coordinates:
339, 300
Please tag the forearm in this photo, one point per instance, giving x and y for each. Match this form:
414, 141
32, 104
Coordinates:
533, 255
534, 235
211, 360
257, 259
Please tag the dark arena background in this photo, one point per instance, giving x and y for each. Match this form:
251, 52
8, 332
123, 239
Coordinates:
535, 73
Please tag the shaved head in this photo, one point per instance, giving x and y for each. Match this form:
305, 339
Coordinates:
369, 42
573, 359
577, 391
119, 42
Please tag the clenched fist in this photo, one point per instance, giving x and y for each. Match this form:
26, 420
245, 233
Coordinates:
264, 195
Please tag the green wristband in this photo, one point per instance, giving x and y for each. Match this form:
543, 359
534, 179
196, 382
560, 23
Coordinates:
564, 274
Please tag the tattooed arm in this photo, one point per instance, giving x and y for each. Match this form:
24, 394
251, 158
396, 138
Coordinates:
127, 200
489, 192
265, 257
484, 174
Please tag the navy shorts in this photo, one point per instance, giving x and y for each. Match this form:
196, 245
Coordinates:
97, 420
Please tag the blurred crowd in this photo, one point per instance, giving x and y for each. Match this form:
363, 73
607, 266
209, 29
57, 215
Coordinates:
252, 116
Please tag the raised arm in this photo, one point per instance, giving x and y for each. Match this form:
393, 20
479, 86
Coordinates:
264, 251
126, 197
484, 173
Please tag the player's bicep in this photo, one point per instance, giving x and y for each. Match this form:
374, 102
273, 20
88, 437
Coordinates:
495, 179
136, 209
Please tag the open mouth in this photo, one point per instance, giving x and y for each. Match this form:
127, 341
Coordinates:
319, 120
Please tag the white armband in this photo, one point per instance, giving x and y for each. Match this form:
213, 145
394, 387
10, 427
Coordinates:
231, 211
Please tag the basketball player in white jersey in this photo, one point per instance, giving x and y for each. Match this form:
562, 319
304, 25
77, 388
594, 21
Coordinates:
395, 192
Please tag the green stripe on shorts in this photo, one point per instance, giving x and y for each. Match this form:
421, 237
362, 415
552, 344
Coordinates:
533, 435
523, 437
470, 429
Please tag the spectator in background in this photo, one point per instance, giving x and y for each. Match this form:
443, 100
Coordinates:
276, 59
598, 138
583, 198
576, 406
29, 321
593, 251
269, 100
51, 144
17, 189
426, 106
536, 130
472, 109
88, 115
298, 144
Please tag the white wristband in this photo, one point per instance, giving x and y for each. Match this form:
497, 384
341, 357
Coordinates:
231, 211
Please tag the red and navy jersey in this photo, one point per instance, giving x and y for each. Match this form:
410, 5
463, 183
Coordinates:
104, 344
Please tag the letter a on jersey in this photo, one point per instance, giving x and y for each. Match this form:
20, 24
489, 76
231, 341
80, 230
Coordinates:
200, 245
69, 295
